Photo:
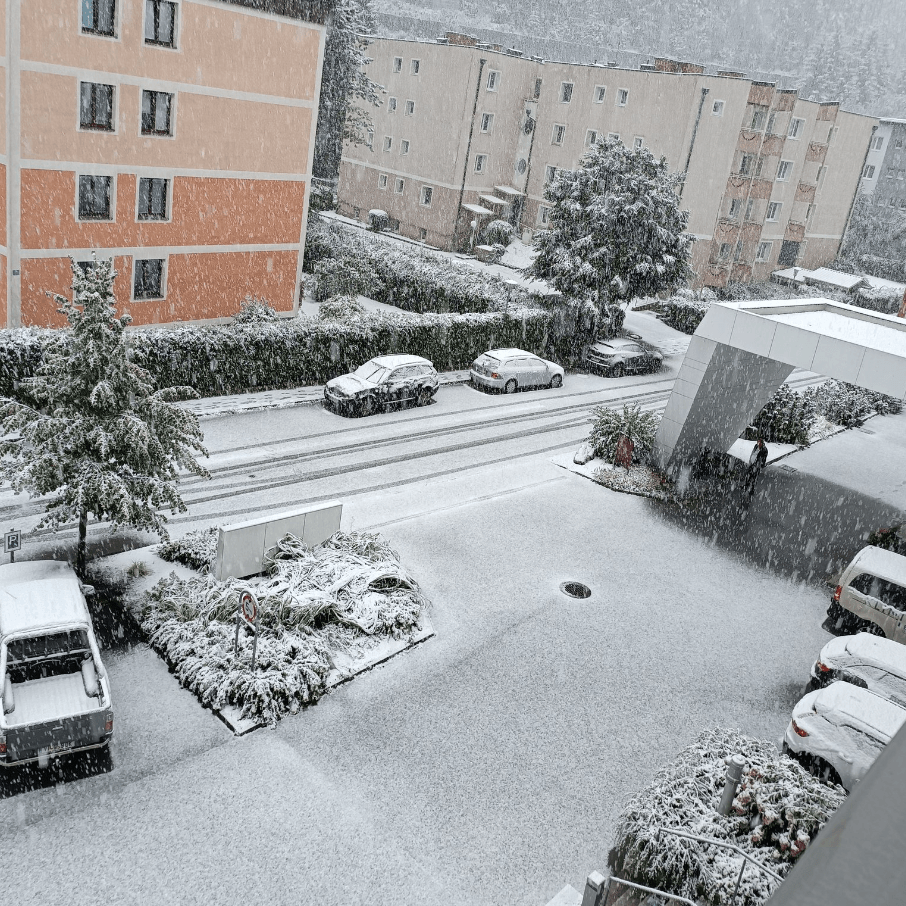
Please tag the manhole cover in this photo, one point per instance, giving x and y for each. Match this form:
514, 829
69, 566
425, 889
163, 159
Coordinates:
866, 430
575, 590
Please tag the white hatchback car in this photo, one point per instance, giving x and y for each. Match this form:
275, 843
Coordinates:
865, 660
838, 732
510, 370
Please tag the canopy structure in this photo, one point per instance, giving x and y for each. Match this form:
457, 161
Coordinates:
476, 209
743, 351
493, 199
509, 191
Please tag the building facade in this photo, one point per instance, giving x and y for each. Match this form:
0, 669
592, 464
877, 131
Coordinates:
884, 174
175, 136
469, 132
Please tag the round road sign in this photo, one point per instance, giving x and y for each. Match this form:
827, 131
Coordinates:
249, 606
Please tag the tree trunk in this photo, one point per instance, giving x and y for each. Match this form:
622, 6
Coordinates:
82, 550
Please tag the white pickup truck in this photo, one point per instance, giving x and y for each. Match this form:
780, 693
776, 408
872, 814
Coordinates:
53, 686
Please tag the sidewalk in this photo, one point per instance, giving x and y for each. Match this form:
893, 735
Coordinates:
216, 406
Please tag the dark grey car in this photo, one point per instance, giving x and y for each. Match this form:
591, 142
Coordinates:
623, 355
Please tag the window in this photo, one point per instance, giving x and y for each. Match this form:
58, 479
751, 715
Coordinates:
427, 194
544, 214
382, 181
96, 106
397, 64
493, 80
770, 126
795, 130
759, 118
613, 136
414, 66
98, 17
737, 252
371, 139
774, 211
735, 208
388, 142
391, 105
868, 172
398, 186
558, 134
750, 207
891, 173
537, 92
550, 174
717, 108
156, 112
356, 213
809, 213
590, 137
831, 132
600, 92
886, 592
759, 166
404, 146
724, 252
898, 144
152, 199
822, 172
94, 197
638, 142
487, 120
566, 92
481, 163
784, 169
422, 234
746, 164
877, 143
149, 279
410, 108
764, 251
160, 23
622, 97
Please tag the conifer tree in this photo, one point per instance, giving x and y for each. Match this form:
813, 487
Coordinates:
89, 431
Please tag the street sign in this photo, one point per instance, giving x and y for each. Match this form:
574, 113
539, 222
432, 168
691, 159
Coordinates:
12, 542
249, 607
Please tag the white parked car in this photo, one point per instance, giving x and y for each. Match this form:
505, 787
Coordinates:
865, 660
510, 370
838, 732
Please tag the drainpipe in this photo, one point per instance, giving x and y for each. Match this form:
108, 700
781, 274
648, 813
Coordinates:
698, 117
465, 166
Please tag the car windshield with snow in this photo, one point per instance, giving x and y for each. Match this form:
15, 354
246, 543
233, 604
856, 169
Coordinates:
55, 691
510, 370
623, 355
383, 382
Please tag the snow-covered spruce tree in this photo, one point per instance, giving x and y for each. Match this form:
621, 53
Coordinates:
93, 433
344, 83
616, 230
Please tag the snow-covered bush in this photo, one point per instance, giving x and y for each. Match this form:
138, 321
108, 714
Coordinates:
778, 809
610, 424
345, 277
884, 299
787, 417
378, 220
848, 405
197, 550
685, 312
341, 308
312, 603
253, 310
498, 232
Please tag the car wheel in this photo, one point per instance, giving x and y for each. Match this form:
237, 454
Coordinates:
366, 406
618, 370
824, 771
556, 381
510, 386
424, 396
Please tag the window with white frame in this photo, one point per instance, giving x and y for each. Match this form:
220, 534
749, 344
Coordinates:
99, 17
481, 163
734, 209
414, 66
591, 137
759, 117
356, 213
410, 108
822, 172
550, 174
750, 207
868, 172
398, 186
160, 23
426, 196
96, 106
737, 253
422, 234
877, 143
717, 108
148, 279
795, 130
391, 105
622, 97
891, 173
558, 134
723, 253
537, 91
746, 164
95, 197
404, 146
638, 142
388, 142
764, 251
371, 139
613, 136
784, 168
566, 92
774, 211
487, 121
152, 198
397, 64
382, 181
600, 93
809, 214
156, 108
898, 144
493, 79
772, 117
544, 214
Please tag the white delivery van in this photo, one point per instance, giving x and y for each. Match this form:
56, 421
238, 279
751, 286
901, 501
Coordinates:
871, 595
53, 686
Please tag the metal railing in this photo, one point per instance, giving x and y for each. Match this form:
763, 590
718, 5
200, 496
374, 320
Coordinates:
604, 892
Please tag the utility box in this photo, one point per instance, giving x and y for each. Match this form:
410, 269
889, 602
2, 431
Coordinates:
241, 547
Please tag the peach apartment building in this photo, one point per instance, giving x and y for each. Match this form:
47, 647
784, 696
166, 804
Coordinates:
471, 132
175, 136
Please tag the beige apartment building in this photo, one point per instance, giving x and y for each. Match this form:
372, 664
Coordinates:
469, 133
175, 136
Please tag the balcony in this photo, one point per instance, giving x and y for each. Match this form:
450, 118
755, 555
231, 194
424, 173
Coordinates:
805, 191
816, 152
795, 231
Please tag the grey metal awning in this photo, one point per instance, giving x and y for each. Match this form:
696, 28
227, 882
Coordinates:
477, 209
508, 190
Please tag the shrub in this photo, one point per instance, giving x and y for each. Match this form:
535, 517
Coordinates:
890, 538
498, 232
847, 405
378, 220
345, 277
253, 310
197, 550
787, 418
778, 809
609, 424
341, 308
882, 299
685, 313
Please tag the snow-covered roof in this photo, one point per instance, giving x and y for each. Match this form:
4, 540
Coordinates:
844, 704
40, 595
873, 650
882, 563
477, 209
794, 274
394, 361
881, 283
508, 190
828, 277
493, 199
506, 353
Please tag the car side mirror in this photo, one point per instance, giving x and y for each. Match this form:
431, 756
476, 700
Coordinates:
88, 590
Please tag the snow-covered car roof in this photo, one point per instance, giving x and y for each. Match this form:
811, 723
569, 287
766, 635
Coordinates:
40, 595
880, 562
842, 703
394, 361
873, 650
503, 354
